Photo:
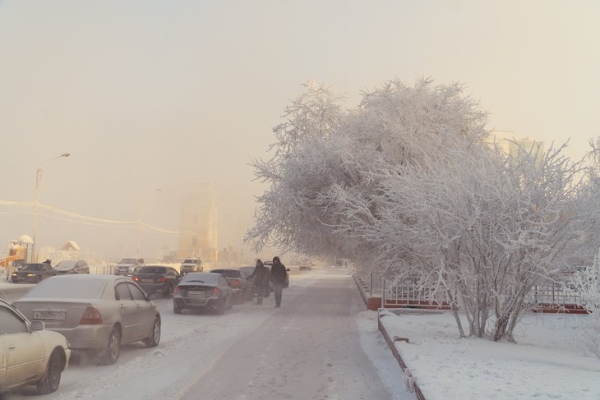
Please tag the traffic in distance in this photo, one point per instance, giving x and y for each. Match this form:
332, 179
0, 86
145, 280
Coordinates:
69, 310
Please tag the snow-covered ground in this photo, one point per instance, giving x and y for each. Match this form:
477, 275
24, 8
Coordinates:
193, 345
544, 363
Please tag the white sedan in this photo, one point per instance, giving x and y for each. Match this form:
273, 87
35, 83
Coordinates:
29, 354
96, 313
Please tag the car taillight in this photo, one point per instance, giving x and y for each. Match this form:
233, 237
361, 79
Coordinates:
177, 290
216, 291
162, 279
135, 278
235, 282
91, 316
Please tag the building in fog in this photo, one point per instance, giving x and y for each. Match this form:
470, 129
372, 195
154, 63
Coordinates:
509, 142
198, 237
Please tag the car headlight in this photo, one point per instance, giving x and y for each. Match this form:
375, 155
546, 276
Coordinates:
30, 274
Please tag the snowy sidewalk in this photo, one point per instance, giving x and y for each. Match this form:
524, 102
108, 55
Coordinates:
544, 363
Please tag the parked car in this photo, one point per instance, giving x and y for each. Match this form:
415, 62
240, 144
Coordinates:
33, 272
237, 281
249, 271
191, 265
269, 264
128, 265
202, 291
72, 267
29, 354
96, 313
157, 278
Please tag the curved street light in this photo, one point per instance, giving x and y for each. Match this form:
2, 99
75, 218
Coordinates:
38, 179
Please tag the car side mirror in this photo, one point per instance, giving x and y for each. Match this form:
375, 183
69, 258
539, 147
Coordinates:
287, 269
37, 325
151, 296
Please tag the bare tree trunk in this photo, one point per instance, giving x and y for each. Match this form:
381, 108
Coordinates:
454, 307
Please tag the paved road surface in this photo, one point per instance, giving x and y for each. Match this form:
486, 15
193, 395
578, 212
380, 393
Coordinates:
309, 349
312, 348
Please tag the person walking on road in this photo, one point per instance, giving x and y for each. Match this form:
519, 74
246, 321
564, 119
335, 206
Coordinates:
278, 277
261, 280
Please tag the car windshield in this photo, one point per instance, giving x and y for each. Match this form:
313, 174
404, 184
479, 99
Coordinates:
127, 261
32, 267
190, 261
201, 278
57, 288
152, 270
64, 265
227, 273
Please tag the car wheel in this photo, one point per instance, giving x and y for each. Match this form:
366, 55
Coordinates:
154, 338
220, 309
113, 348
51, 379
177, 310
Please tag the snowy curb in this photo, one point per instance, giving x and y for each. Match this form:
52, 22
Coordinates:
362, 288
408, 378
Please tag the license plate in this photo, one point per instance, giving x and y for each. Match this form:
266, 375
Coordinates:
147, 280
196, 293
54, 315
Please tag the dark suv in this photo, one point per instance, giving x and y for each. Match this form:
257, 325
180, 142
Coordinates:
237, 282
157, 278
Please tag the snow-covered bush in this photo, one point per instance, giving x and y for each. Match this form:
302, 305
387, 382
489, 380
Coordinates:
486, 227
587, 283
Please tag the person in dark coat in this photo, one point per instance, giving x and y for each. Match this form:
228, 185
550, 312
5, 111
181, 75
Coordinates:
278, 277
261, 280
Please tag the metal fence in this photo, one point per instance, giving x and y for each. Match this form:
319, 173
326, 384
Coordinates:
392, 293
410, 293
554, 294
373, 282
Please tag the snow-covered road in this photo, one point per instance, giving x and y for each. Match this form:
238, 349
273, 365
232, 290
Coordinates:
321, 344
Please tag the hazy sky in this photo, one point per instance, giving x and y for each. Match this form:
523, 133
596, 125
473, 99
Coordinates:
151, 94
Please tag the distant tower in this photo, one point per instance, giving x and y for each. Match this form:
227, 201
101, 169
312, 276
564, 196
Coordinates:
198, 235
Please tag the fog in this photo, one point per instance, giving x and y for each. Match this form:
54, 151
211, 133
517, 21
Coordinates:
150, 94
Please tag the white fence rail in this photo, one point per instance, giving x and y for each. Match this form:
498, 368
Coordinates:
551, 295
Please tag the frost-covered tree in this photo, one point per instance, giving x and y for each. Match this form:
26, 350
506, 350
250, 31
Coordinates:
406, 184
485, 229
332, 154
587, 283
287, 214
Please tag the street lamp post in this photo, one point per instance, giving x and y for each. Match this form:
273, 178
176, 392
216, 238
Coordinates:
38, 179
